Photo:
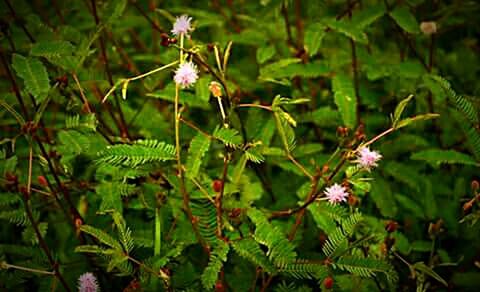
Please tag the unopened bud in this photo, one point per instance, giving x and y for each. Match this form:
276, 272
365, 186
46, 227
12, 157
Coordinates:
391, 226
78, 222
215, 89
325, 168
342, 131
353, 200
164, 42
42, 181
467, 206
475, 185
428, 27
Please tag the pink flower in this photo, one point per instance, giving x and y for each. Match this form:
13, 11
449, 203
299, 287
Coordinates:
87, 283
182, 25
186, 74
336, 194
367, 158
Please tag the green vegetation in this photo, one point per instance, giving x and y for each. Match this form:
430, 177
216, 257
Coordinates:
274, 145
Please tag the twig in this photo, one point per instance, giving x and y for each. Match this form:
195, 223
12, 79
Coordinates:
145, 15
196, 128
21, 23
218, 199
124, 129
355, 78
284, 12
82, 94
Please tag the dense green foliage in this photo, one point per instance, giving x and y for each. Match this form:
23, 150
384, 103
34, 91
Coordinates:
107, 166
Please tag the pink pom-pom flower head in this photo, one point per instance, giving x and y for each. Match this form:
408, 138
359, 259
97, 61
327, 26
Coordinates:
182, 25
336, 194
186, 74
367, 158
87, 283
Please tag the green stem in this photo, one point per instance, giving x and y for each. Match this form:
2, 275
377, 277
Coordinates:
7, 266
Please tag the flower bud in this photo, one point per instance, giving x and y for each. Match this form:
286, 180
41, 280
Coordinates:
391, 226
164, 42
11, 178
42, 181
328, 282
215, 88
467, 206
353, 200
217, 185
475, 185
428, 27
219, 287
342, 131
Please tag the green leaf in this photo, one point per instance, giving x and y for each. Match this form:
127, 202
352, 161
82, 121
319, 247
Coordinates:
111, 194
198, 147
405, 19
280, 250
314, 35
410, 205
437, 156
310, 70
102, 236
34, 75
141, 152
59, 53
348, 29
368, 15
367, 267
185, 97
420, 266
399, 110
272, 68
158, 232
265, 53
408, 121
217, 257
249, 249
114, 10
381, 194
228, 136
90, 249
201, 88
345, 99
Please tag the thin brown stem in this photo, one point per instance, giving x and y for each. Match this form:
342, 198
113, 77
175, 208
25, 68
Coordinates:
284, 12
356, 81
196, 128
82, 94
219, 197
300, 166
21, 23
38, 234
103, 51
145, 15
